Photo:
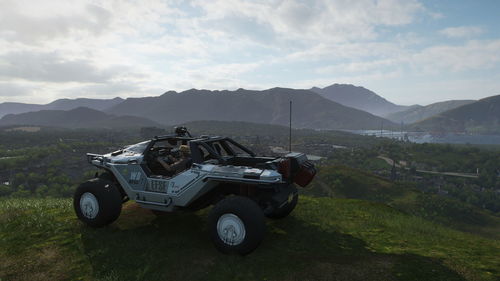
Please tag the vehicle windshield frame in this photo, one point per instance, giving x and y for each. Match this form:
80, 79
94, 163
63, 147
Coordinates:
138, 148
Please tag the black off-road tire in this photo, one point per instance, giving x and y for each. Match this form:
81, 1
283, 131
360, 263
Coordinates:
285, 210
108, 176
109, 202
249, 213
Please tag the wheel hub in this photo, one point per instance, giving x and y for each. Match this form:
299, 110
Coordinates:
231, 229
89, 205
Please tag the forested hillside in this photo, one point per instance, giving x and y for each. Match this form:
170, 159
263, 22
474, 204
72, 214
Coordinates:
482, 116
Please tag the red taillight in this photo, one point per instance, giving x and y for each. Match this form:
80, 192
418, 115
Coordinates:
284, 168
306, 174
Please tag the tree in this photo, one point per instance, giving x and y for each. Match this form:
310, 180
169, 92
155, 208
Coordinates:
22, 192
42, 190
5, 190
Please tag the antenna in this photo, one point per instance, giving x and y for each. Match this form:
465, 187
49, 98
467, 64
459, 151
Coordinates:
401, 131
290, 136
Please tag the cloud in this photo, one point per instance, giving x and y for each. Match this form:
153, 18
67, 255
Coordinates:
318, 20
13, 90
473, 55
19, 22
52, 67
355, 50
358, 66
363, 59
444, 89
462, 31
124, 89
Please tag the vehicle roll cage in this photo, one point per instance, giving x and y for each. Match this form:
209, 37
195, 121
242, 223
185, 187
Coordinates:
206, 142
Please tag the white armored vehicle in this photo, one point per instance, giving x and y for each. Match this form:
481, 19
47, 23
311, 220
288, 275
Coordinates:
243, 187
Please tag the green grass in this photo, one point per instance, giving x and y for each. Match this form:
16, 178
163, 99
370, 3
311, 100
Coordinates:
323, 239
371, 164
350, 183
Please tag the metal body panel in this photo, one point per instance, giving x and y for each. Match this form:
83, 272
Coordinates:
179, 191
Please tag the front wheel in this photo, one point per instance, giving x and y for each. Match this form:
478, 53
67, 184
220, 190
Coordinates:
236, 225
97, 202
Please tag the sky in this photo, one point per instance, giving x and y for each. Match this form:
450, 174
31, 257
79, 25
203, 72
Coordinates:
408, 51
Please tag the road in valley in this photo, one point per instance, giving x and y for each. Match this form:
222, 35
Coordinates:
453, 174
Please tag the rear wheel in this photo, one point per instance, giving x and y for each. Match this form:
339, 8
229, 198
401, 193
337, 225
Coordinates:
236, 225
286, 209
97, 202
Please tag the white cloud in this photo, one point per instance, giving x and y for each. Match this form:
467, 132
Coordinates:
473, 55
9, 89
442, 89
318, 20
462, 31
100, 90
358, 66
52, 67
356, 50
362, 59
23, 21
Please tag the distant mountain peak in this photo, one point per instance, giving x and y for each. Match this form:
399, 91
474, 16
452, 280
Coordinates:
197, 91
358, 97
169, 92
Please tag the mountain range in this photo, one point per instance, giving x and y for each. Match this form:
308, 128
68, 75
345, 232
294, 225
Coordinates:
339, 106
310, 110
359, 98
482, 116
60, 104
417, 112
81, 117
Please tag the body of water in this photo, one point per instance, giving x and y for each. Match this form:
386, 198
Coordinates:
426, 137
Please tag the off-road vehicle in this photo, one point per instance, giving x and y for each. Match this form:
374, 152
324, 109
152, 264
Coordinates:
243, 187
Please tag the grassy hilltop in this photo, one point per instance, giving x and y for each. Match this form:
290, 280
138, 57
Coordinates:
324, 239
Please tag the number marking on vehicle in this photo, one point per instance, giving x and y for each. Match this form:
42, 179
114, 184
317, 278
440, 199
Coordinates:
158, 186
